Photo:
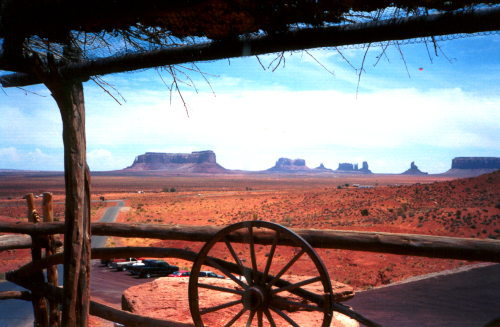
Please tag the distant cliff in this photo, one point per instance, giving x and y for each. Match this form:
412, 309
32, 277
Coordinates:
195, 162
289, 165
353, 168
475, 163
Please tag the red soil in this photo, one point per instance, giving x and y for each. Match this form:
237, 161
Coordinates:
467, 207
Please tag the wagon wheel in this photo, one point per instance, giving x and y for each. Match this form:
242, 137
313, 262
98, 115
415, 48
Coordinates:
260, 298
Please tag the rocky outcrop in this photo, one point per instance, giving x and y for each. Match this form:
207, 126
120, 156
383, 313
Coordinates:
167, 298
346, 166
475, 163
322, 167
195, 162
413, 170
289, 165
364, 169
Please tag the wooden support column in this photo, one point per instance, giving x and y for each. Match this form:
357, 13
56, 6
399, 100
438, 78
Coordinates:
69, 97
39, 303
48, 217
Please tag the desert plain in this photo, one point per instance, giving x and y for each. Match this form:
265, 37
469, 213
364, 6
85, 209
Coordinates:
427, 204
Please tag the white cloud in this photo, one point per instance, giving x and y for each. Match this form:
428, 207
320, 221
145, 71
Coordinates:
101, 160
12, 158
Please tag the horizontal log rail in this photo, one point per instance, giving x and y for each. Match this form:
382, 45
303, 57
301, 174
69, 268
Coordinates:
20, 275
393, 243
16, 295
12, 242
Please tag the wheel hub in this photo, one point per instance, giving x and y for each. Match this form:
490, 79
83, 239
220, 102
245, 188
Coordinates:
254, 297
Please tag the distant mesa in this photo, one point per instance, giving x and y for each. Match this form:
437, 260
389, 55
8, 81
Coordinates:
475, 163
353, 168
473, 166
195, 162
413, 170
289, 165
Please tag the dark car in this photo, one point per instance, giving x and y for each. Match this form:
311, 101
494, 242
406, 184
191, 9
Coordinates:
210, 274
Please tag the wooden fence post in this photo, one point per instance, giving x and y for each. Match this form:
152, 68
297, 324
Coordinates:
48, 217
39, 303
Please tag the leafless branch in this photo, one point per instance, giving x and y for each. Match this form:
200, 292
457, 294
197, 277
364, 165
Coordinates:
361, 70
319, 62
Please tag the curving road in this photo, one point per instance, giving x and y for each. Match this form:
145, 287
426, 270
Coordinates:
17, 313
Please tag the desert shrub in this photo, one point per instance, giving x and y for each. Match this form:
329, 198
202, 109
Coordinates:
497, 205
493, 237
390, 209
497, 231
473, 226
2, 276
364, 212
165, 189
346, 185
339, 187
420, 225
400, 211
411, 214
404, 206
458, 213
255, 216
172, 190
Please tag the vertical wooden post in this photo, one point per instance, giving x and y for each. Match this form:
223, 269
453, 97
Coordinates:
77, 236
39, 303
48, 216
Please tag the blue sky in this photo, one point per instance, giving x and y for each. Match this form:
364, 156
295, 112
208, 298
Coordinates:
448, 109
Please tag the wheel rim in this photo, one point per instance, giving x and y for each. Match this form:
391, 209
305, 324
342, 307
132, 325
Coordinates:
259, 301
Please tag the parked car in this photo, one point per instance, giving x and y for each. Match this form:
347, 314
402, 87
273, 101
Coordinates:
210, 274
109, 262
130, 266
122, 265
155, 268
180, 273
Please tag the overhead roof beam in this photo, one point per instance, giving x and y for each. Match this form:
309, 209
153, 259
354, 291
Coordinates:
469, 21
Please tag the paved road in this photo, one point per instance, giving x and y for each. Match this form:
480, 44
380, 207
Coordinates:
16, 313
466, 299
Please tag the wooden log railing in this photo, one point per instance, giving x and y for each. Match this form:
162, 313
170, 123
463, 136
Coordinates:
402, 244
20, 275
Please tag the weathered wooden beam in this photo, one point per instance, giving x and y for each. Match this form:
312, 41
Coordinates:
50, 249
40, 309
456, 22
402, 244
15, 295
11, 242
68, 94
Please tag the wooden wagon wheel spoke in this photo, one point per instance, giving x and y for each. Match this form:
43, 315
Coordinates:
252, 255
270, 257
225, 272
284, 316
250, 318
269, 317
296, 285
285, 268
235, 318
259, 318
297, 304
243, 271
234, 255
220, 289
220, 307
260, 294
